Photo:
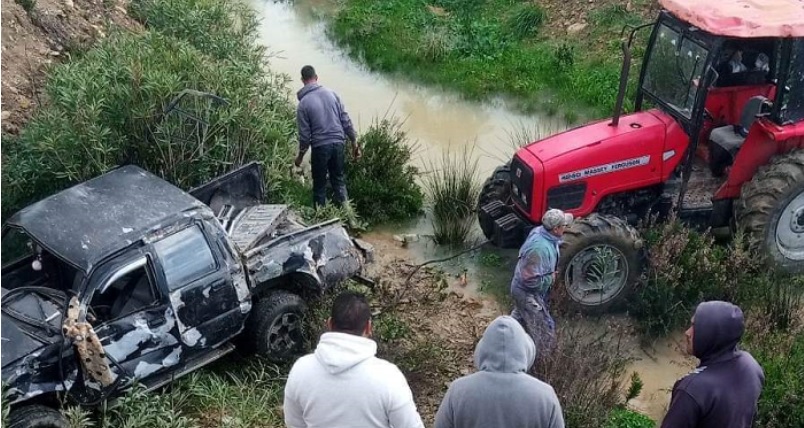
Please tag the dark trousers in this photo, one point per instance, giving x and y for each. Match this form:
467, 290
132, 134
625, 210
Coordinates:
328, 160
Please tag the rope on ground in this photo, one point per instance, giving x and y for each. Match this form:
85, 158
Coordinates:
406, 284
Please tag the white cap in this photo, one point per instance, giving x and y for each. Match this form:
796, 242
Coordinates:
554, 218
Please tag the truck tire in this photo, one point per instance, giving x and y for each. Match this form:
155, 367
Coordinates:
496, 188
771, 211
36, 416
275, 328
601, 261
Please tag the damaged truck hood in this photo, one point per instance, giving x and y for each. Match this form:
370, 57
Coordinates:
29, 322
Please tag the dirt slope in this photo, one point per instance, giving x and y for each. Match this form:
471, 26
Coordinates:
38, 33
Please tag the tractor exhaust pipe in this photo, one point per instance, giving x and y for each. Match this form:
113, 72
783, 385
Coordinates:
618, 105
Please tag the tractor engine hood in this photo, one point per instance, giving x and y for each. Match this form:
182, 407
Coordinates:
640, 127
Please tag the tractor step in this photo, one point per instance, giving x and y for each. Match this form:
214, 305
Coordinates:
509, 231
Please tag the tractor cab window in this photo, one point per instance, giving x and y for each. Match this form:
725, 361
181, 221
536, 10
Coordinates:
674, 70
745, 62
792, 94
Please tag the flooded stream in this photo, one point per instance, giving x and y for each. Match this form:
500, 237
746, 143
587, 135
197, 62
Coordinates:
437, 121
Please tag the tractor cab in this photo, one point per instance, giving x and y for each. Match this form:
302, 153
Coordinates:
716, 136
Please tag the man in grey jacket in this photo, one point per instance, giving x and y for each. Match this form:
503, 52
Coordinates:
324, 126
501, 393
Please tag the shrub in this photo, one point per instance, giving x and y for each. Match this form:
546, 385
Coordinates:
688, 267
382, 183
525, 20
585, 368
452, 189
623, 418
106, 108
781, 356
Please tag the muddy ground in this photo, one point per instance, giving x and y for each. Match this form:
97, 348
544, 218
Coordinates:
38, 33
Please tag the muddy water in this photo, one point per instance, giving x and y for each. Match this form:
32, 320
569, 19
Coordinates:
438, 121
435, 120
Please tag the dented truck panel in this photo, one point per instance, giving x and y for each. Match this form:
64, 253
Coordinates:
324, 252
162, 280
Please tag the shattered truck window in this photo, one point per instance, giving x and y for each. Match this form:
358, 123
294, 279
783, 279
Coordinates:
127, 294
16, 245
185, 257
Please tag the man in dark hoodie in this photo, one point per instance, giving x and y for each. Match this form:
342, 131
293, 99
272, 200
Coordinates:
324, 126
501, 393
723, 390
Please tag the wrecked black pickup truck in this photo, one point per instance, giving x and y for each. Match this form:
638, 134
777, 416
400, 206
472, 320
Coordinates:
128, 278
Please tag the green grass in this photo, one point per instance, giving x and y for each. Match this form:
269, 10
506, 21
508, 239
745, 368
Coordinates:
452, 188
479, 51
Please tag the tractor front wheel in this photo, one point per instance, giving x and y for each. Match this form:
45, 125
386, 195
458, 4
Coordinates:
771, 211
601, 262
496, 188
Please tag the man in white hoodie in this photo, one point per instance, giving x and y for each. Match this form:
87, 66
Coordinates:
342, 384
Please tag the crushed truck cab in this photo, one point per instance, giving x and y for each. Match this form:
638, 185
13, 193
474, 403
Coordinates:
128, 278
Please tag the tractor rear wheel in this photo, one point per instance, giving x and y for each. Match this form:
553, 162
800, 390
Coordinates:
601, 262
496, 188
771, 211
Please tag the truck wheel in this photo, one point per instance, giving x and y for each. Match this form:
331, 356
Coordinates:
496, 188
771, 211
36, 416
276, 326
601, 261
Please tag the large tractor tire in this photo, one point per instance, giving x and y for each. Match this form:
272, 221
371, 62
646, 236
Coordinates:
601, 262
771, 211
275, 328
36, 416
496, 188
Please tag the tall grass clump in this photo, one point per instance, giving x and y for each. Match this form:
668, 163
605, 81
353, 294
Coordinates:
141, 409
525, 20
688, 267
382, 183
452, 188
585, 368
781, 355
108, 107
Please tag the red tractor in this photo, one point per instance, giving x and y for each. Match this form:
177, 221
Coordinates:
717, 136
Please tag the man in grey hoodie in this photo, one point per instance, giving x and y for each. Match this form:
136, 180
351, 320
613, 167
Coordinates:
501, 393
324, 126
724, 389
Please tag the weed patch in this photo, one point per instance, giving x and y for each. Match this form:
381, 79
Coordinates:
452, 189
108, 107
382, 183
474, 48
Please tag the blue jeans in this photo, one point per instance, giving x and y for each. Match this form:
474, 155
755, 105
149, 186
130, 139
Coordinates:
328, 161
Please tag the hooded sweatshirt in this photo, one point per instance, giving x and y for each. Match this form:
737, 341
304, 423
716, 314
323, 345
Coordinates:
343, 385
723, 390
321, 118
538, 258
501, 393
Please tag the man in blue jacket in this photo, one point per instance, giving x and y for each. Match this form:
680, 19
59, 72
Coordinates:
535, 274
724, 389
324, 126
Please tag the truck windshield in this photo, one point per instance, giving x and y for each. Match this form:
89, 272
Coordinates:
674, 69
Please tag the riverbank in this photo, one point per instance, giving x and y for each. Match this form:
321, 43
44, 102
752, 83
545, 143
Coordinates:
553, 56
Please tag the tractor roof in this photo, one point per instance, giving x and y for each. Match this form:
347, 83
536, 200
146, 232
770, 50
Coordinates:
742, 18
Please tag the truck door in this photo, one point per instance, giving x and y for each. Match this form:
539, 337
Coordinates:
201, 288
134, 324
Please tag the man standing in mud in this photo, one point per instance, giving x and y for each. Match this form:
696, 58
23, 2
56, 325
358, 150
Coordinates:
343, 383
724, 389
535, 274
324, 126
